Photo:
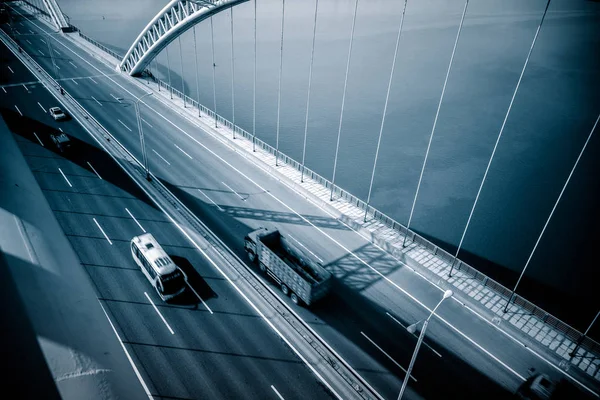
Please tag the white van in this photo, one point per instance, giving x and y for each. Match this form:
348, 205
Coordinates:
168, 280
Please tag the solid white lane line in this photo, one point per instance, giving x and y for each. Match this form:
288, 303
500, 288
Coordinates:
92, 79
211, 200
306, 248
18, 110
415, 335
277, 393
27, 40
158, 312
183, 151
72, 64
93, 169
386, 354
137, 372
43, 109
102, 230
161, 157
41, 52
75, 82
97, 101
228, 187
36, 136
136, 221
199, 298
10, 69
124, 125
147, 122
111, 95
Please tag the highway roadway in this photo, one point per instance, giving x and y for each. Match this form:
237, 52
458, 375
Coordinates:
374, 296
217, 347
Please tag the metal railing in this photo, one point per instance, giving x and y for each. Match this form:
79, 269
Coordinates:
98, 44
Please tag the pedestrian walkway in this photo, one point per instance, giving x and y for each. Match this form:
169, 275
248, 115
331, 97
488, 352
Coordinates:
527, 323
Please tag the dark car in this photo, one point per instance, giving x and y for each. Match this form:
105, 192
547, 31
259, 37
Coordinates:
61, 141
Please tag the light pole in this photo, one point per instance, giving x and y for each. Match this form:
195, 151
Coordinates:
412, 328
141, 132
50, 50
581, 339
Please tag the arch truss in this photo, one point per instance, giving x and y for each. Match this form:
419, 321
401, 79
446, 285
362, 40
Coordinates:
173, 20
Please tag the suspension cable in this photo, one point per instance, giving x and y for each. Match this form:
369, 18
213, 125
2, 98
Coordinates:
212, 40
279, 90
232, 77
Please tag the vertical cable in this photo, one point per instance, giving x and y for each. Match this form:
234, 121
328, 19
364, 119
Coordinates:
437, 113
182, 81
462, 238
232, 76
254, 87
312, 55
551, 213
196, 64
387, 97
337, 147
169, 72
279, 90
212, 39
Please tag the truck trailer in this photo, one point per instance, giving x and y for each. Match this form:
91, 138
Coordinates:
300, 277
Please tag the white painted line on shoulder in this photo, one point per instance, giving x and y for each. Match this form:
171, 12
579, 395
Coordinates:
180, 149
41, 52
72, 64
386, 354
18, 110
211, 200
10, 69
102, 230
229, 187
306, 248
36, 136
124, 125
92, 79
402, 325
75, 82
97, 101
93, 169
277, 393
161, 157
148, 123
200, 298
160, 315
136, 221
137, 372
43, 109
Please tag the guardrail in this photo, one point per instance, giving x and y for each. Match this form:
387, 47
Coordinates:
98, 44
584, 341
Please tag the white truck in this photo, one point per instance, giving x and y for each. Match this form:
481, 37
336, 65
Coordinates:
300, 277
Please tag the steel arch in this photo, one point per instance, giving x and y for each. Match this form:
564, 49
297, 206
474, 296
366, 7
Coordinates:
174, 19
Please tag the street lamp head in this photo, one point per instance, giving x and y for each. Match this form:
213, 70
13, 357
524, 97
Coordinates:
448, 293
413, 328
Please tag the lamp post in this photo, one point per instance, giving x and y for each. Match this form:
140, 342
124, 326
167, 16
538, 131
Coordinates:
139, 121
412, 329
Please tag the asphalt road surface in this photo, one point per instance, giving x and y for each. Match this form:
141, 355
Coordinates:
363, 319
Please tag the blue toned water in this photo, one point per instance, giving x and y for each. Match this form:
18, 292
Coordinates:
553, 113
